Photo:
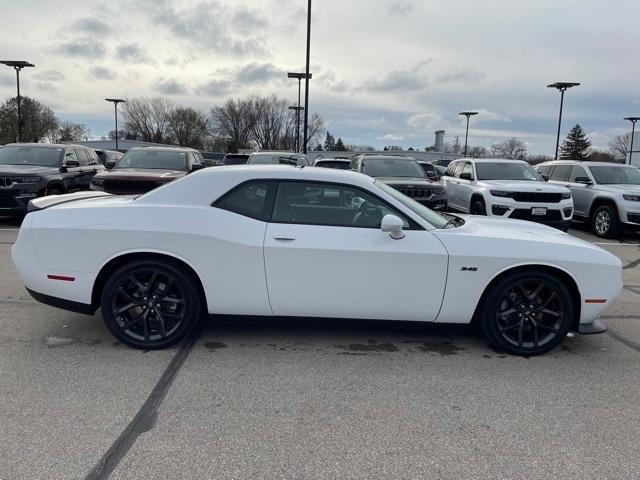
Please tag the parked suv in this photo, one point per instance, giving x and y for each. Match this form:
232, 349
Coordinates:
405, 175
506, 189
109, 158
275, 158
30, 170
607, 195
145, 168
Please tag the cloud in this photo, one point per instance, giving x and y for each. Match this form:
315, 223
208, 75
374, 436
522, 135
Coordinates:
425, 121
49, 76
253, 74
211, 26
461, 77
133, 52
393, 137
414, 78
82, 47
91, 25
400, 7
7, 80
102, 73
170, 86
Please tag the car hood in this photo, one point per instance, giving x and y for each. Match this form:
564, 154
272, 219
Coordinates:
141, 174
524, 186
396, 181
26, 170
620, 188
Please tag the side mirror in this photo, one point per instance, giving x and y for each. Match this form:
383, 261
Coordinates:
583, 180
71, 163
196, 166
466, 176
393, 226
545, 177
110, 164
431, 174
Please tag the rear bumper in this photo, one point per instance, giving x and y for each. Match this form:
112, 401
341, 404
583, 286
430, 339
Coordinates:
62, 303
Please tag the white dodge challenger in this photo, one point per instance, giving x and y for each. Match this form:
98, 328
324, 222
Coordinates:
306, 242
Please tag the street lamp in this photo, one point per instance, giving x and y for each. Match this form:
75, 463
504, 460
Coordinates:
562, 87
306, 78
466, 136
17, 66
115, 102
297, 110
633, 121
298, 76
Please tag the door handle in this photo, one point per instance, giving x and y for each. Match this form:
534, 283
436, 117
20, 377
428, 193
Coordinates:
284, 237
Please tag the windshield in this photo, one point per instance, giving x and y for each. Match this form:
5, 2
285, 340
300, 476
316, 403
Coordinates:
427, 214
333, 164
39, 156
162, 160
272, 160
392, 167
507, 171
616, 175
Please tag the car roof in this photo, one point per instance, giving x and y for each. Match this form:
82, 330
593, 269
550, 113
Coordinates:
44, 145
585, 163
425, 161
491, 160
387, 157
330, 159
163, 149
276, 152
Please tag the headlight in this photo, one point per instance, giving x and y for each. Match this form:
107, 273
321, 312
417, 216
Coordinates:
26, 179
566, 196
500, 193
98, 182
631, 198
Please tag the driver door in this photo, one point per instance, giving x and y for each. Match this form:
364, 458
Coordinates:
325, 256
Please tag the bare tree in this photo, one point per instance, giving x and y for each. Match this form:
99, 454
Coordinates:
512, 148
619, 146
188, 127
232, 121
315, 129
272, 124
477, 152
148, 118
72, 132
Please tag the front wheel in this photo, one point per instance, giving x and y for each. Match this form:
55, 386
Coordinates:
478, 208
527, 313
605, 222
151, 304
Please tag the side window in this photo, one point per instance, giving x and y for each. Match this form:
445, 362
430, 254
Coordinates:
82, 156
451, 169
93, 157
561, 173
576, 172
544, 170
354, 164
467, 168
311, 203
70, 155
251, 199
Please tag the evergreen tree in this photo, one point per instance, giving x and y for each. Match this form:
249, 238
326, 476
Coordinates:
329, 142
340, 146
576, 146
318, 148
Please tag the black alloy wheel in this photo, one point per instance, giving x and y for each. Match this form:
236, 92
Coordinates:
527, 313
150, 304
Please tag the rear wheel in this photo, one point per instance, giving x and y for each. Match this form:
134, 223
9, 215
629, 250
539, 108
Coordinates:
527, 313
478, 207
605, 222
151, 304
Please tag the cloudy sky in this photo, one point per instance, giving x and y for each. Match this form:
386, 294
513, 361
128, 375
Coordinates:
385, 71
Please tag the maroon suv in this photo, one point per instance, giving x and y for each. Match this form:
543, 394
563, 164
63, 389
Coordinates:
145, 168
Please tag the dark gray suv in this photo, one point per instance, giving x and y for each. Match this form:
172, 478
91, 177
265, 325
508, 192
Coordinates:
30, 170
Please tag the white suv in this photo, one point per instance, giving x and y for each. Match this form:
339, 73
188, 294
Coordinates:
506, 189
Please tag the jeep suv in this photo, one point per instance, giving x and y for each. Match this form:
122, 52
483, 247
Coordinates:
405, 175
607, 195
30, 170
506, 189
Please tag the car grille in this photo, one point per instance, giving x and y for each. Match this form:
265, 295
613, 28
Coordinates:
7, 200
129, 186
6, 182
539, 197
422, 193
525, 214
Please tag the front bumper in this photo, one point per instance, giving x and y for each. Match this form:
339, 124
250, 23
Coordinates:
14, 200
592, 328
558, 215
434, 204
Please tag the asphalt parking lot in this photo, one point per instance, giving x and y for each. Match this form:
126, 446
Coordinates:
314, 399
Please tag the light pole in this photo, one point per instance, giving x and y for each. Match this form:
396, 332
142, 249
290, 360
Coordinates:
297, 110
306, 79
633, 121
562, 87
17, 66
298, 76
466, 135
115, 102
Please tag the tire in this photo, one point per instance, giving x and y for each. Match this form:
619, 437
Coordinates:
605, 222
531, 328
151, 304
478, 207
54, 191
